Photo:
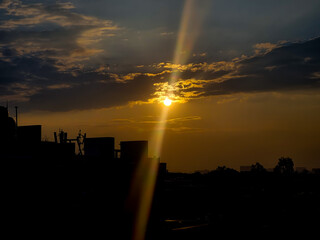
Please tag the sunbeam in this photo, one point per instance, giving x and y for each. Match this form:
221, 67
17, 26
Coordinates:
145, 178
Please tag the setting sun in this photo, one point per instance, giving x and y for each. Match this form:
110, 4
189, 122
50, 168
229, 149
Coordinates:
167, 102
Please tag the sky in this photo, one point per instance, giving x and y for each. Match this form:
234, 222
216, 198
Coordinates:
243, 76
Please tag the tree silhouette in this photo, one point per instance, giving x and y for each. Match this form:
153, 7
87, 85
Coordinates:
224, 171
257, 168
284, 166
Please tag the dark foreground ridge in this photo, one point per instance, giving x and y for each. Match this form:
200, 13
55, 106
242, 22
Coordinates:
49, 191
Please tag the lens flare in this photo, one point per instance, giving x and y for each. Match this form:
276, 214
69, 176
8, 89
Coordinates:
144, 181
146, 174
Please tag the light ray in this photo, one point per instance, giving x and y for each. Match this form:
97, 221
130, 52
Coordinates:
146, 174
183, 45
190, 26
143, 184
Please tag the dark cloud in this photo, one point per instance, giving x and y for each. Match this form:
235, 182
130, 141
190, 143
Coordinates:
93, 95
288, 67
51, 59
47, 45
52, 31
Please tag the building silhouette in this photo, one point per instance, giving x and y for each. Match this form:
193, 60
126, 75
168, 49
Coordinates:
132, 152
102, 147
50, 188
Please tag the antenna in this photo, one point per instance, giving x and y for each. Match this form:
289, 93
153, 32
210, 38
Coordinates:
16, 115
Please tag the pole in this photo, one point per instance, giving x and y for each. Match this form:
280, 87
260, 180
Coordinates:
16, 115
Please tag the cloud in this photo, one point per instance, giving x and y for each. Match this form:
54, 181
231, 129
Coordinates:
279, 67
155, 120
33, 14
165, 34
315, 75
150, 122
283, 68
203, 54
48, 46
49, 60
264, 47
52, 31
92, 95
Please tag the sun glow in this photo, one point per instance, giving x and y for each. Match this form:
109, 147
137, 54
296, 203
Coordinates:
167, 102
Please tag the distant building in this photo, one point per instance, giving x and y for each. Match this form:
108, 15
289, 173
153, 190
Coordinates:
133, 151
245, 168
316, 171
301, 169
99, 147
